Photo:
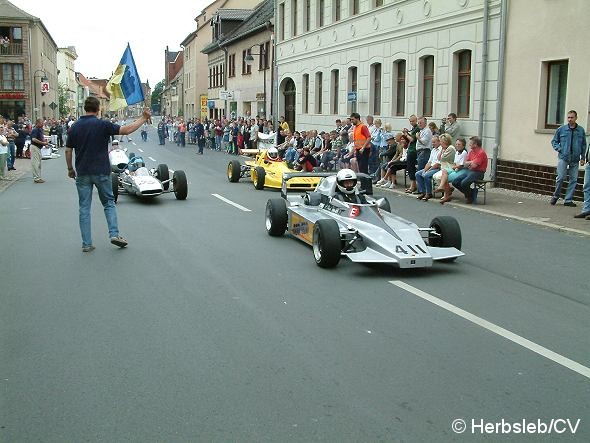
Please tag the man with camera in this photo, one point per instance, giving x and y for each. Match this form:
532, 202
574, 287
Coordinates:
450, 126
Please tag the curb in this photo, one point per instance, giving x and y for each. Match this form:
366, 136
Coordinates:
556, 227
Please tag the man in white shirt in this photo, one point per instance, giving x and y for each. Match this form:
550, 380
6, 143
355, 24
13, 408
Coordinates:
424, 175
423, 142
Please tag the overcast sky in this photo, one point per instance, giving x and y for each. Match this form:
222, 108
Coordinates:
101, 30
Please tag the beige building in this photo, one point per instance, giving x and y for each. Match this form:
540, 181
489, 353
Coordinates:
547, 66
66, 59
28, 55
197, 66
191, 99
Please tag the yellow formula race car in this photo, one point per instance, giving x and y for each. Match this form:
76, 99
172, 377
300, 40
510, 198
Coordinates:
265, 171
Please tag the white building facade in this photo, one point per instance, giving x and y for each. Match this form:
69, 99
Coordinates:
390, 59
546, 74
66, 59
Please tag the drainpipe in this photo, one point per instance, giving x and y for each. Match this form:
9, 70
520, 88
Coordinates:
484, 69
500, 85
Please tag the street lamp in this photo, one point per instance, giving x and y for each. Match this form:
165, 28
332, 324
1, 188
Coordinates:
42, 80
248, 59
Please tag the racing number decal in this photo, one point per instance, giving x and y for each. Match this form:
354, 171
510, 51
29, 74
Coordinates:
354, 211
400, 250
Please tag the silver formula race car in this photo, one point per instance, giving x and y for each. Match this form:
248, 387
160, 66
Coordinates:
130, 176
364, 230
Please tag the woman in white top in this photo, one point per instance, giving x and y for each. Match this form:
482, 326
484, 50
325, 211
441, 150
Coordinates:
448, 175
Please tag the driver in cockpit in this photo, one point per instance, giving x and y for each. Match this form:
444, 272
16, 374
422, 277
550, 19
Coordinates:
272, 155
346, 187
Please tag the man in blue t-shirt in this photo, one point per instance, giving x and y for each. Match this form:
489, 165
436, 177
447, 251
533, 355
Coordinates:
89, 137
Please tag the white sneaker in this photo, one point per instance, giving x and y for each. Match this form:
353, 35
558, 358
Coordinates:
388, 185
381, 182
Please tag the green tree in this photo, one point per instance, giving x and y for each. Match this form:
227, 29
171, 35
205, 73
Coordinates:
63, 94
157, 96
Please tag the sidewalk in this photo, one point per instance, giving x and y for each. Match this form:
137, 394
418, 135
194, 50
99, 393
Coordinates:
23, 168
522, 206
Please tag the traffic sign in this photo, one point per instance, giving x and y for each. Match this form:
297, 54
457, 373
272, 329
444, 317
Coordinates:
44, 87
52, 105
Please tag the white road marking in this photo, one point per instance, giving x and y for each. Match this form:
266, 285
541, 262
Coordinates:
152, 159
133, 143
229, 202
140, 150
531, 346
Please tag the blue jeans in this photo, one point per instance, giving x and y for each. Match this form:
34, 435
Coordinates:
423, 156
564, 168
463, 182
424, 180
84, 184
586, 207
162, 138
11, 154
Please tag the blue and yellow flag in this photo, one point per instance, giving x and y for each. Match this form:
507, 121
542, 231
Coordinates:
125, 86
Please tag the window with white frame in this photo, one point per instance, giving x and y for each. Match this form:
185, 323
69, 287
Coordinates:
555, 112
336, 10
282, 21
426, 85
463, 94
294, 13
375, 89
334, 90
305, 97
398, 88
320, 13
352, 88
319, 90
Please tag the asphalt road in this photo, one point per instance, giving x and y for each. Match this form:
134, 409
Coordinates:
207, 329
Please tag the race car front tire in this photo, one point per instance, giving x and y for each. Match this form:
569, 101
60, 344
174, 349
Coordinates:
449, 233
234, 170
327, 246
162, 173
180, 185
276, 217
115, 184
258, 177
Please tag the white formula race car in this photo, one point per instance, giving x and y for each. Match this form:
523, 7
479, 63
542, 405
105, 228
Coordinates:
130, 176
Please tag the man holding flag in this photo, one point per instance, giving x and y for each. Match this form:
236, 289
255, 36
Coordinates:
89, 137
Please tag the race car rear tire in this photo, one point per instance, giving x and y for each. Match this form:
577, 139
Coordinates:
327, 246
234, 170
115, 184
162, 173
180, 185
450, 233
276, 217
258, 177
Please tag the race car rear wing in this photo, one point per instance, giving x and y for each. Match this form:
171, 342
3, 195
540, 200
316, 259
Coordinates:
365, 180
289, 175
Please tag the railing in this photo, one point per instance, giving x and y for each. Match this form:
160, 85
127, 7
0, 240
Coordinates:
11, 49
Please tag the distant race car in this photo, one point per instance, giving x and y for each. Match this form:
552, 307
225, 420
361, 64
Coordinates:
130, 176
266, 172
364, 232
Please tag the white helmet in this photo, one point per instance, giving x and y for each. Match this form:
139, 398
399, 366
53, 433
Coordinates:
344, 175
273, 153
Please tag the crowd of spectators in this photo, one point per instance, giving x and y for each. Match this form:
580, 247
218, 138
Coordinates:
426, 152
